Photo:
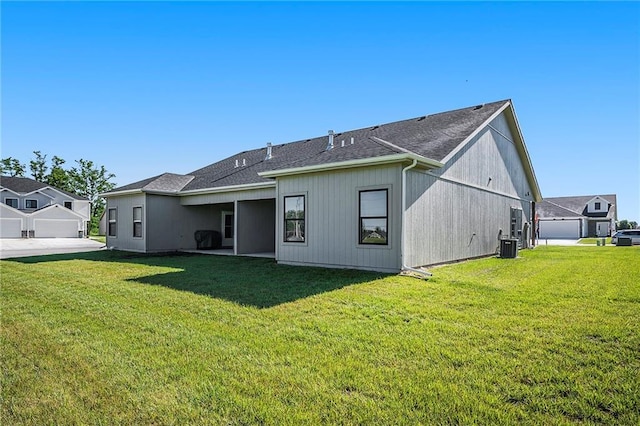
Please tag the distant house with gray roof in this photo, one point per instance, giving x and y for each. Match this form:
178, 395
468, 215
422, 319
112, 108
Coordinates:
34, 209
431, 189
577, 216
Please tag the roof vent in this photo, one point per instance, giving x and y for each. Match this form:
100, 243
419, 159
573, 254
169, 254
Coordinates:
330, 144
477, 107
374, 127
236, 166
244, 162
421, 118
269, 156
352, 140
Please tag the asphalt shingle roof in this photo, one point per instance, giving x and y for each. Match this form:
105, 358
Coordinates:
574, 206
431, 136
23, 185
166, 182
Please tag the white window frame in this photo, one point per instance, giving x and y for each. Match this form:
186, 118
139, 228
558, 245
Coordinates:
17, 206
136, 221
114, 221
26, 202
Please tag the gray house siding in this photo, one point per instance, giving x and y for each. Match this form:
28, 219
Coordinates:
331, 222
205, 217
256, 226
124, 238
12, 222
461, 210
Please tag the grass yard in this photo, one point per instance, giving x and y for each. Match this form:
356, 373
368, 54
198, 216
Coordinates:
113, 338
594, 241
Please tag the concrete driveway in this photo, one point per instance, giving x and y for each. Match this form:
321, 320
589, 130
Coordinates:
22, 247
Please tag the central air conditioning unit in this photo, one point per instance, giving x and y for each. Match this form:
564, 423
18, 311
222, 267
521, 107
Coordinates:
509, 248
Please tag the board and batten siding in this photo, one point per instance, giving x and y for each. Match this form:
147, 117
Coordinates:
461, 210
331, 222
174, 229
124, 239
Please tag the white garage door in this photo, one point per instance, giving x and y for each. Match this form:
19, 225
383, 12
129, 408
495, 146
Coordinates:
10, 227
560, 229
56, 228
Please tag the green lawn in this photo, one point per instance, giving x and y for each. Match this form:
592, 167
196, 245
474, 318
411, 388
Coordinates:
112, 338
594, 241
99, 238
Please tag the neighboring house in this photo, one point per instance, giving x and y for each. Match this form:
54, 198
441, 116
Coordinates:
423, 191
31, 209
577, 217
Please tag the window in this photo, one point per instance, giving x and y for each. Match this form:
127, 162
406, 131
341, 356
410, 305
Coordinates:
137, 222
112, 217
13, 202
374, 217
68, 205
294, 231
30, 204
596, 205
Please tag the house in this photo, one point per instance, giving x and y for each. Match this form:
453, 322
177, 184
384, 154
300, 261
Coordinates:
428, 190
34, 209
577, 217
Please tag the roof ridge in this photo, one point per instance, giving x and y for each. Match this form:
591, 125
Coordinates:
392, 145
563, 207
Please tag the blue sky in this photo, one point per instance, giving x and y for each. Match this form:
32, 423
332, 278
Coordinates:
144, 88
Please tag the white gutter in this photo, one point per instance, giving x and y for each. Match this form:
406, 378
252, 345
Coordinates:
369, 161
125, 192
214, 190
402, 224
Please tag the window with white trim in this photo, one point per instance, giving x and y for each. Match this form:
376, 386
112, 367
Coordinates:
597, 205
12, 202
112, 224
294, 219
30, 204
137, 222
374, 217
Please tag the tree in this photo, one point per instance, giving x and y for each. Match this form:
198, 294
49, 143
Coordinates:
11, 167
626, 224
89, 181
58, 177
623, 224
38, 166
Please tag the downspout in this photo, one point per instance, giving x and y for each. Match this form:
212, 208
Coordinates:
402, 224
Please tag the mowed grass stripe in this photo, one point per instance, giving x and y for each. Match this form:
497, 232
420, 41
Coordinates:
108, 337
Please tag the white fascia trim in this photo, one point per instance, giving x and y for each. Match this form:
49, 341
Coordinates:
13, 209
39, 191
599, 197
546, 219
53, 206
475, 132
362, 162
230, 188
118, 193
12, 191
